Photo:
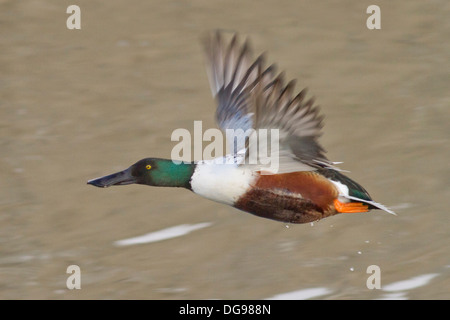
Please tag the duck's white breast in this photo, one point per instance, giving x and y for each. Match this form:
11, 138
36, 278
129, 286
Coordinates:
221, 181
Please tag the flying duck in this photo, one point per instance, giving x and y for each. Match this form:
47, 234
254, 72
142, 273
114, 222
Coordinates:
305, 186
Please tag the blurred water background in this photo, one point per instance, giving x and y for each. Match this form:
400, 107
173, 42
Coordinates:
77, 104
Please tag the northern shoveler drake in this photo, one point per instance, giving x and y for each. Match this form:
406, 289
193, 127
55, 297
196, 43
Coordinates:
305, 188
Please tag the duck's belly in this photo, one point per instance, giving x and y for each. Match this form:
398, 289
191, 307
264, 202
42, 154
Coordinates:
297, 197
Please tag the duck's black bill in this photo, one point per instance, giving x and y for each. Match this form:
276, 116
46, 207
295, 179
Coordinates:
116, 179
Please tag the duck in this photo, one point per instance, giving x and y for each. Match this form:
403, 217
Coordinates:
250, 97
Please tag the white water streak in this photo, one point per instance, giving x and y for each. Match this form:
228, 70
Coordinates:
409, 284
164, 234
301, 294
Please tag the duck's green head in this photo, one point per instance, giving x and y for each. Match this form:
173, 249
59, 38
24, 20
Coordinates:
152, 172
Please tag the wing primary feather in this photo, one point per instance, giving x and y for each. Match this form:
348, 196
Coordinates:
251, 95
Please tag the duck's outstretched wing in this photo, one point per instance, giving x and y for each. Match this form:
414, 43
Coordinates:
233, 75
252, 97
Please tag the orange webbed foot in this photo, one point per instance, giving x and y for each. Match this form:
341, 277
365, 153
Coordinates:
350, 207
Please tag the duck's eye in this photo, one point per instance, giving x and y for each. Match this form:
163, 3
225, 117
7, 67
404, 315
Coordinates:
148, 167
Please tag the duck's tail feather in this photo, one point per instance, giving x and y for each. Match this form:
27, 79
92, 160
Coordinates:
373, 204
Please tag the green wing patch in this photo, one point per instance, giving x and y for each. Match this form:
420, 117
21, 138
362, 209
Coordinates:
355, 190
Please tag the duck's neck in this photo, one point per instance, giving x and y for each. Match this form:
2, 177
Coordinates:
169, 174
